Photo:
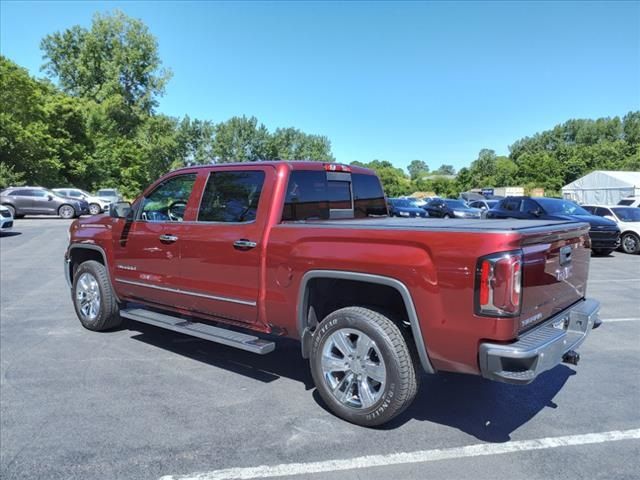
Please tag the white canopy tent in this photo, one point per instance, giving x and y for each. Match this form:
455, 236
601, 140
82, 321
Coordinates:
603, 187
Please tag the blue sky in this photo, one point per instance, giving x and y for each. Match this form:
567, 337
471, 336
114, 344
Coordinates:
396, 81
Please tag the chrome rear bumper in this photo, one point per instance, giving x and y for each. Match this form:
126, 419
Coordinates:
541, 348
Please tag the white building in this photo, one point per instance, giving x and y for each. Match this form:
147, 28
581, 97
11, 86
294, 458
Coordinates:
603, 187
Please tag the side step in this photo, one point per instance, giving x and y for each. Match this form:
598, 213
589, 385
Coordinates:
205, 331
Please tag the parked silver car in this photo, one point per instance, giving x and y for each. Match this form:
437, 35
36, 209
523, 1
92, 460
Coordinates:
110, 195
96, 204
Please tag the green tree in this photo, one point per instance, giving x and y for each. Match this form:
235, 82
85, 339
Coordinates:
116, 56
417, 169
240, 139
293, 144
445, 170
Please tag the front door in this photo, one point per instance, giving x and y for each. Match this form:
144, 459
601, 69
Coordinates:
147, 247
43, 202
222, 248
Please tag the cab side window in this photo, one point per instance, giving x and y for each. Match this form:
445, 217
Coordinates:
231, 197
511, 204
167, 203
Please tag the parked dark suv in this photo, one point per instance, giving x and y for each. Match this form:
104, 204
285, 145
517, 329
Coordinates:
604, 233
41, 201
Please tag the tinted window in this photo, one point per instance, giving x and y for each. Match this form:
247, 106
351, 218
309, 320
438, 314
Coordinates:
72, 193
625, 202
23, 193
528, 206
231, 197
628, 214
168, 201
511, 204
339, 195
367, 195
601, 211
455, 203
561, 207
591, 210
307, 196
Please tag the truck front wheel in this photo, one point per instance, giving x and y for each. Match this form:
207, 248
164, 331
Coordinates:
93, 299
362, 366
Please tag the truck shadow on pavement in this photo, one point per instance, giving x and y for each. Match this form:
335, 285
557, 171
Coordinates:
489, 411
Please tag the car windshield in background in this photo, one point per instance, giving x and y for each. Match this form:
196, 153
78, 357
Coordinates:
455, 204
627, 214
401, 202
492, 203
106, 193
561, 207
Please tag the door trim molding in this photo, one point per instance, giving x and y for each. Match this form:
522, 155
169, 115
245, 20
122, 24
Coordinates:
188, 292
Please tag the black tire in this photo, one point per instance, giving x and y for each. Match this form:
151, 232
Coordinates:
602, 252
400, 384
95, 209
630, 243
66, 211
12, 209
108, 315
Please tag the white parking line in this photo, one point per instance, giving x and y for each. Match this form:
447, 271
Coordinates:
628, 319
291, 469
612, 280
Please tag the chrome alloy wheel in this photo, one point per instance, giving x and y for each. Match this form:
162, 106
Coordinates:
88, 296
94, 209
353, 368
66, 211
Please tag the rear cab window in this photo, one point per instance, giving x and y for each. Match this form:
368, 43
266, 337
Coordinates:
322, 195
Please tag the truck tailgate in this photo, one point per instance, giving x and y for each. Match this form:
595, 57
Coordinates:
556, 267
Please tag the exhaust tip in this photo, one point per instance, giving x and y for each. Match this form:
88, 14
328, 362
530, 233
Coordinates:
572, 357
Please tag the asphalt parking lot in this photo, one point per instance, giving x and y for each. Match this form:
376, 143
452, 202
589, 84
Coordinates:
143, 403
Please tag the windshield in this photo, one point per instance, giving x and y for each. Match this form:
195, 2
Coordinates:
455, 204
628, 214
400, 202
561, 207
491, 203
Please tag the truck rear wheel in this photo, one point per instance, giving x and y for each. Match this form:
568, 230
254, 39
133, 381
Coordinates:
362, 366
93, 298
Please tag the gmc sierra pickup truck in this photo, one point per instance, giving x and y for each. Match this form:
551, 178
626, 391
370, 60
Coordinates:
241, 254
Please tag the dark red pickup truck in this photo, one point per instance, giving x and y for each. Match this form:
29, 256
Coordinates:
240, 254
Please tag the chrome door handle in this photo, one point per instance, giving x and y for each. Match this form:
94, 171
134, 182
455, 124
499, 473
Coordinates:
244, 244
168, 238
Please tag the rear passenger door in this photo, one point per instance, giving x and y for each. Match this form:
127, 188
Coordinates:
220, 251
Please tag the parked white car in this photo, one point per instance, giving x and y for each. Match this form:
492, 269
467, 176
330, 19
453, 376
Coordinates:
6, 219
96, 204
627, 218
630, 202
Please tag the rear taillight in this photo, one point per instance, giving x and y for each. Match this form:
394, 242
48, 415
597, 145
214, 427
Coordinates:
499, 285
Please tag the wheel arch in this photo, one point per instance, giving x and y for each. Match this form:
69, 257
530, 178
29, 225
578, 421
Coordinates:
306, 315
79, 253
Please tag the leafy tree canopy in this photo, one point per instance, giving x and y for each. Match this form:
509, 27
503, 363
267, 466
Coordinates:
116, 56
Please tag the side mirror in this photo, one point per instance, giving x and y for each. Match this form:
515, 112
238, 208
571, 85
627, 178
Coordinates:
49, 197
120, 210
536, 212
